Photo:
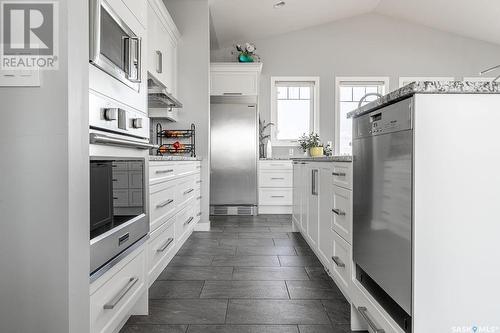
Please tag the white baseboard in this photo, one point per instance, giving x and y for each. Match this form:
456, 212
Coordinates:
202, 226
275, 209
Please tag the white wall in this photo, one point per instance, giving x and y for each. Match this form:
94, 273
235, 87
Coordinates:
368, 45
44, 244
192, 19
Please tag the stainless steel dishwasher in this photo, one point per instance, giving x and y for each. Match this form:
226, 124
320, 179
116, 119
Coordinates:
382, 215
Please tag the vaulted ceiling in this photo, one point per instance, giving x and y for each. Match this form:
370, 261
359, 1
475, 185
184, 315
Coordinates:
249, 20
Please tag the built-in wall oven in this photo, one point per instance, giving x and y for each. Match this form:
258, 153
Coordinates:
382, 201
119, 145
114, 46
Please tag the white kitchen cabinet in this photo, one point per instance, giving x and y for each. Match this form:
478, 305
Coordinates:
235, 79
114, 295
325, 214
275, 179
313, 205
341, 257
163, 37
297, 193
161, 249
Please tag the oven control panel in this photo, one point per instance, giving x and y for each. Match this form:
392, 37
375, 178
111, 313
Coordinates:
109, 115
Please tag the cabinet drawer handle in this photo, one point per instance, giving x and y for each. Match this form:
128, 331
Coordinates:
199, 214
163, 204
198, 181
338, 212
165, 171
198, 198
277, 178
232, 93
118, 297
338, 262
189, 191
364, 313
159, 62
339, 174
189, 220
277, 196
164, 246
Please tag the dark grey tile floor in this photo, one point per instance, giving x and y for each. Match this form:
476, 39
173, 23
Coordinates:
247, 275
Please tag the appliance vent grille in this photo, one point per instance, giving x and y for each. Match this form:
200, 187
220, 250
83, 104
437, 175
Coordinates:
233, 210
245, 211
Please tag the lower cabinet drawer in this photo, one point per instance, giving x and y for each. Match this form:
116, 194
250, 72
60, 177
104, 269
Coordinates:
185, 190
112, 302
162, 203
341, 263
275, 196
342, 212
162, 171
161, 248
184, 221
271, 178
371, 313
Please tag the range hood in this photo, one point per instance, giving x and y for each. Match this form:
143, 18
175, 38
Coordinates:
158, 97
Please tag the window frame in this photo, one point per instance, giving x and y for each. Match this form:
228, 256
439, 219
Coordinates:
354, 79
274, 106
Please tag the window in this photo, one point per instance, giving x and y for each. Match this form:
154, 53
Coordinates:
349, 93
294, 109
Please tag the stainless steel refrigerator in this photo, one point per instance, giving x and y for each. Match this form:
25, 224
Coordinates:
234, 153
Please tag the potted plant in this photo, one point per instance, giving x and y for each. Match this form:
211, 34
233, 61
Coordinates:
312, 144
246, 53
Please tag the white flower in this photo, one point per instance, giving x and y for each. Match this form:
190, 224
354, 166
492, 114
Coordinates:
249, 47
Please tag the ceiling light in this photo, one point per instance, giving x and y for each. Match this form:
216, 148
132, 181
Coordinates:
279, 4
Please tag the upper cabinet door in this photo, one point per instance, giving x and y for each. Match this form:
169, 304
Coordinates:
163, 37
234, 79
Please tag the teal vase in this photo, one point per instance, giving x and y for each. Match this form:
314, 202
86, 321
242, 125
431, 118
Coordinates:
245, 58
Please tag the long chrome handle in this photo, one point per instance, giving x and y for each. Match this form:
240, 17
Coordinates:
277, 178
314, 187
189, 220
133, 51
163, 204
364, 313
189, 191
165, 171
104, 139
159, 62
338, 262
277, 196
118, 297
339, 174
233, 94
338, 212
164, 246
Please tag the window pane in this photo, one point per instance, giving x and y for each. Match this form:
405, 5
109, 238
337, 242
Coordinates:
305, 92
358, 93
293, 119
371, 90
282, 92
293, 92
346, 93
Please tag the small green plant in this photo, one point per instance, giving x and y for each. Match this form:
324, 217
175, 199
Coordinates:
309, 141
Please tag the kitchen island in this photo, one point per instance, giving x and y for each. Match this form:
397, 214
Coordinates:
424, 218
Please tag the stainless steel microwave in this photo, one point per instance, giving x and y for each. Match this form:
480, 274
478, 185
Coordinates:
114, 47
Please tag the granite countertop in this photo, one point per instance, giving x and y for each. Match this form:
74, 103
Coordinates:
429, 87
173, 158
275, 158
324, 159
